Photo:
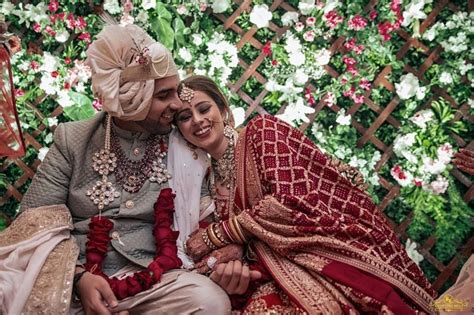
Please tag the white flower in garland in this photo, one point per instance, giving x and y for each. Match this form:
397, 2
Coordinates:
289, 18
409, 86
148, 4
220, 6
414, 11
260, 15
414, 255
422, 117
112, 6
342, 118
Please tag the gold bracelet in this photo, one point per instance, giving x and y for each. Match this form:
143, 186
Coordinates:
217, 232
239, 230
235, 234
212, 237
205, 238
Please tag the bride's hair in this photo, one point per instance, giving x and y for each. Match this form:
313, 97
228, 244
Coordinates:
208, 86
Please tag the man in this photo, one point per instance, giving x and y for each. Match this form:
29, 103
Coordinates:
117, 167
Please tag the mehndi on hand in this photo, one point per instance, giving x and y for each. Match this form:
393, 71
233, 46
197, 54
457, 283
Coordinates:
222, 255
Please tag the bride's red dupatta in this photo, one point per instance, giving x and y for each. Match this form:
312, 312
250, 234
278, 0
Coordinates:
321, 238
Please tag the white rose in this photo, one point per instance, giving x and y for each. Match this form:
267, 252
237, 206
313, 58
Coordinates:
407, 87
112, 6
306, 6
422, 117
289, 18
470, 102
197, 39
414, 255
42, 153
219, 6
297, 59
322, 57
439, 186
342, 118
300, 77
446, 78
148, 4
7, 8
64, 100
52, 122
260, 15
185, 54
433, 166
430, 34
414, 11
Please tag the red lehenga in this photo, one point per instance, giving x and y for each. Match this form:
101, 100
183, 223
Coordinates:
321, 239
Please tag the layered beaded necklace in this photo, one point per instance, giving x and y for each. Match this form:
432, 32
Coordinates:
129, 174
223, 170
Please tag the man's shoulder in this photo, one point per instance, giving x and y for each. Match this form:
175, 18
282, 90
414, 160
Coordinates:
84, 125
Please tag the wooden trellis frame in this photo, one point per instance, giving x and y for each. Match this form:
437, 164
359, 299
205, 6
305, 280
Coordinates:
367, 135
383, 113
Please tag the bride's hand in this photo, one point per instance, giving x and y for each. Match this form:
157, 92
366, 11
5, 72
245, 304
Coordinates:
221, 255
195, 246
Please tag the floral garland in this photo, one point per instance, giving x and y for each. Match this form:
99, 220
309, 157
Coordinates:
166, 251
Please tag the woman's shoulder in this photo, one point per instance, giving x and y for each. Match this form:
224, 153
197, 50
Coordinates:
267, 122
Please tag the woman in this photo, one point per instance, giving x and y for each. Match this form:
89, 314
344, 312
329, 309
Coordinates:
319, 237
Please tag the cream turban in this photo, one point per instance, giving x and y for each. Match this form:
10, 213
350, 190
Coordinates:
125, 85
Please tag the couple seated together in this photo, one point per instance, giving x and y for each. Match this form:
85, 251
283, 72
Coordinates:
158, 206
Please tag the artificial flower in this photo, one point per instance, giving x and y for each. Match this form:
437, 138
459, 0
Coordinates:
408, 86
343, 119
289, 18
414, 255
260, 15
220, 6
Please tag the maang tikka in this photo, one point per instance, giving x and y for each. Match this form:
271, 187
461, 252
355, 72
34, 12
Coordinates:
186, 94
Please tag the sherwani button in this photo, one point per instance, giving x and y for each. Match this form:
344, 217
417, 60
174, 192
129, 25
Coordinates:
129, 204
136, 151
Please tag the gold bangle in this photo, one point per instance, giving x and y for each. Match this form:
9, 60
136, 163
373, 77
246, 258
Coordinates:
207, 241
212, 237
235, 234
239, 230
217, 232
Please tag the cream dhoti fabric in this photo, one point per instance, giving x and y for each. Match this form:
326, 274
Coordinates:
37, 261
179, 292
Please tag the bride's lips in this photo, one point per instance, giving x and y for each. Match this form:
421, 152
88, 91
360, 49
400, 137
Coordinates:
203, 132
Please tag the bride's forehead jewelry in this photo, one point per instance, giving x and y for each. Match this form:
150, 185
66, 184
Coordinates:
186, 94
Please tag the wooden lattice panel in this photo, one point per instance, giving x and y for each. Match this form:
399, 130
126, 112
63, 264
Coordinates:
367, 135
383, 114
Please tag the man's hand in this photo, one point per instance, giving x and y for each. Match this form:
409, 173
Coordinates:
234, 277
95, 294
